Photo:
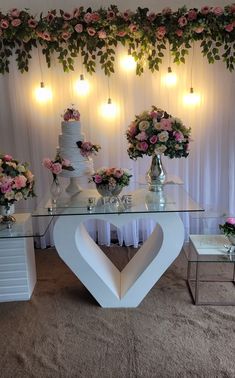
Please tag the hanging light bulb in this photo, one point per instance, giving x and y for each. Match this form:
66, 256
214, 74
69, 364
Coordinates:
43, 94
82, 86
128, 63
192, 98
170, 78
109, 110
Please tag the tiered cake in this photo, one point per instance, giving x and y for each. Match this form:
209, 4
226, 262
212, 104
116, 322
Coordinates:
68, 149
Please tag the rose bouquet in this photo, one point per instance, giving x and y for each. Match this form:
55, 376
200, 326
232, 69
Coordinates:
57, 165
16, 181
228, 227
110, 181
88, 149
71, 114
155, 132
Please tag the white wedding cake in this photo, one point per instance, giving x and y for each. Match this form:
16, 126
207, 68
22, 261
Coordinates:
68, 148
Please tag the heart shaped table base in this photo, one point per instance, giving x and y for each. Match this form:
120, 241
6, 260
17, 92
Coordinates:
106, 283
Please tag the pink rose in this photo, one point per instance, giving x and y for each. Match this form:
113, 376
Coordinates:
111, 15
78, 28
4, 24
230, 220
232, 8
161, 31
91, 31
97, 179
67, 16
141, 136
56, 168
127, 14
66, 163
102, 34
121, 33
7, 157
132, 130
133, 28
15, 12
142, 146
29, 175
166, 124
65, 35
95, 16
44, 35
47, 163
6, 184
179, 32
154, 114
153, 139
50, 16
118, 173
229, 27
178, 136
192, 15
19, 182
16, 22
32, 23
205, 9
182, 21
166, 11
199, 29
87, 17
218, 11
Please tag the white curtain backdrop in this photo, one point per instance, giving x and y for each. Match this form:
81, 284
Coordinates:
29, 130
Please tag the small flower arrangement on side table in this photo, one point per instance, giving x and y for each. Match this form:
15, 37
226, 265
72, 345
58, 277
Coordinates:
16, 183
110, 181
228, 229
55, 167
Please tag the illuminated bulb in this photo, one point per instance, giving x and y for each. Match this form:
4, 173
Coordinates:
109, 110
170, 78
43, 94
192, 98
82, 86
128, 63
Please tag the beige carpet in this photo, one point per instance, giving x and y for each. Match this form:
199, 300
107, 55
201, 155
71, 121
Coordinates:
62, 331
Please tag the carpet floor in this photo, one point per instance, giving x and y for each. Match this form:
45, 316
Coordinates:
62, 331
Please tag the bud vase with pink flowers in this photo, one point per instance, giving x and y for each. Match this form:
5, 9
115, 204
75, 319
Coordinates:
55, 167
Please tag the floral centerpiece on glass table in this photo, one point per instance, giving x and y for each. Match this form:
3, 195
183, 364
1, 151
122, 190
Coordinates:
110, 181
156, 133
228, 229
55, 167
16, 183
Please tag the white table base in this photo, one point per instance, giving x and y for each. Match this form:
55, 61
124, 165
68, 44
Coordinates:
106, 283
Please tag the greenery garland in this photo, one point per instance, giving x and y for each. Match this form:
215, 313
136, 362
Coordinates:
96, 34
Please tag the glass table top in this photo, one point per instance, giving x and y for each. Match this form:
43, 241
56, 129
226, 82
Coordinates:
210, 248
25, 227
173, 198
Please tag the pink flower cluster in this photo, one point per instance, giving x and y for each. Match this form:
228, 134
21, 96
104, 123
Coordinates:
16, 180
56, 166
111, 177
71, 114
231, 220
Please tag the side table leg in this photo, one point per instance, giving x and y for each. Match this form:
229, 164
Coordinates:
197, 284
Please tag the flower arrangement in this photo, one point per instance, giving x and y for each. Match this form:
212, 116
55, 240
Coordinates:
87, 149
71, 114
16, 181
96, 33
157, 132
111, 177
228, 227
57, 165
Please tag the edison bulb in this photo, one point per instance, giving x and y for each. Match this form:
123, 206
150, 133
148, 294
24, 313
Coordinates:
192, 98
109, 110
43, 94
170, 78
82, 86
128, 63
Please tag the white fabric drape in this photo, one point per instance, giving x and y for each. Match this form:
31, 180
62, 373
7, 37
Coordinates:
29, 130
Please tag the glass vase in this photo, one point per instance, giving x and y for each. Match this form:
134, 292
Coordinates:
55, 190
156, 175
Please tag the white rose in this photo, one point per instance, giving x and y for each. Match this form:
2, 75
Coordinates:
10, 195
163, 136
21, 168
157, 125
143, 125
160, 149
18, 196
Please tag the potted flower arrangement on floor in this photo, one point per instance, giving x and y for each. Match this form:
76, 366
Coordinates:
16, 183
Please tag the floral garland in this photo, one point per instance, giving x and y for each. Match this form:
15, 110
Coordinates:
96, 34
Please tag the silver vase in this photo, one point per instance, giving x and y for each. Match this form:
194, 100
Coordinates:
156, 175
